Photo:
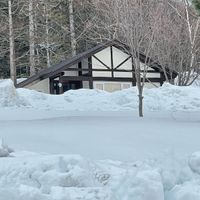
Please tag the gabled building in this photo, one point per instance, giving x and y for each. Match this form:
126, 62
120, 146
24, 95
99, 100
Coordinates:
106, 67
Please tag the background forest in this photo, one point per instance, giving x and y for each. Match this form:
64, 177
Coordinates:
35, 34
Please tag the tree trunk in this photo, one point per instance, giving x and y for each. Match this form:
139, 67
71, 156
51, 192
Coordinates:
72, 28
31, 38
140, 96
12, 45
47, 45
139, 86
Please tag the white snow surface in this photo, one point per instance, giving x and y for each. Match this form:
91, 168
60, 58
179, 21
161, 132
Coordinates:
31, 176
91, 145
166, 98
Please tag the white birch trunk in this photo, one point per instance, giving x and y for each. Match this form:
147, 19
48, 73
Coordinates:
192, 38
12, 45
72, 28
31, 38
47, 34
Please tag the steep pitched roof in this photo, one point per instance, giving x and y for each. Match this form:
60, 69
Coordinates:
58, 68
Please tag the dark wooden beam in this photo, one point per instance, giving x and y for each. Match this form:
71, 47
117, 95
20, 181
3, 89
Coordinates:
51, 89
117, 79
98, 70
90, 72
133, 73
80, 68
108, 70
112, 61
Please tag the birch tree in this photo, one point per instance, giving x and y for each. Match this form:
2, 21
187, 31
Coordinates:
12, 44
188, 18
72, 28
31, 37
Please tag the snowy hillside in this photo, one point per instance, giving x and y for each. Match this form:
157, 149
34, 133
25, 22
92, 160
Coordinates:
91, 145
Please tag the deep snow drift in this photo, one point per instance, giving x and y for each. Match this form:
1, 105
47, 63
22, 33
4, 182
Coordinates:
158, 156
166, 98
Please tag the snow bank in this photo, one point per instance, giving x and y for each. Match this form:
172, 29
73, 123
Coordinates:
165, 98
50, 177
59, 177
9, 97
173, 98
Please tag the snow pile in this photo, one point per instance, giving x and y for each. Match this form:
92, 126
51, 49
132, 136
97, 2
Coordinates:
9, 96
71, 177
172, 98
75, 178
165, 98
50, 178
4, 149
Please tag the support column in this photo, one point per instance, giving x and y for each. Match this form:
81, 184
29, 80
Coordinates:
90, 72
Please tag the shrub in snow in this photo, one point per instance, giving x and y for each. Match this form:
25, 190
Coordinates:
4, 149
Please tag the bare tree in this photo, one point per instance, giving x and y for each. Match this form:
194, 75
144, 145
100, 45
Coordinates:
177, 45
133, 22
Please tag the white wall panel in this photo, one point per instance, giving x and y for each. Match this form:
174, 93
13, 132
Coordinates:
86, 84
41, 86
104, 56
151, 85
118, 57
102, 74
153, 75
123, 74
72, 73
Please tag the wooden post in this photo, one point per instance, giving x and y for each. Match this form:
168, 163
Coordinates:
112, 62
133, 73
90, 72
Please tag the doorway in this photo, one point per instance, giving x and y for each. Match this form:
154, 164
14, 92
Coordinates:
72, 85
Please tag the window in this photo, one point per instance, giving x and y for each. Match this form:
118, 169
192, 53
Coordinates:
111, 87
99, 86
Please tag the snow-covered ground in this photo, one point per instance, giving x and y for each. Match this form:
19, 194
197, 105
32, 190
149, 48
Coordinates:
90, 145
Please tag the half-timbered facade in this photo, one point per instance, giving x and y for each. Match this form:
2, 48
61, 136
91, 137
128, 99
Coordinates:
106, 67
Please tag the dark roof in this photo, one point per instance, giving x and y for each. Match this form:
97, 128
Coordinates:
58, 68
